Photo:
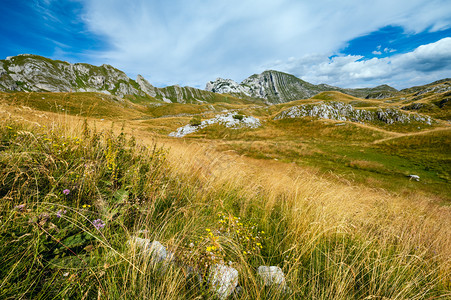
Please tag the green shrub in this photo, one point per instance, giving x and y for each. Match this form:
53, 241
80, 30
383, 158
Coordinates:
238, 117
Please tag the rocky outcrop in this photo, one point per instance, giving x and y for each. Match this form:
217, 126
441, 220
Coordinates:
145, 86
230, 120
439, 86
227, 86
345, 112
273, 86
278, 87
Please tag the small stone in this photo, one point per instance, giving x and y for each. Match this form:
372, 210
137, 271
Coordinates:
273, 276
223, 280
414, 177
158, 253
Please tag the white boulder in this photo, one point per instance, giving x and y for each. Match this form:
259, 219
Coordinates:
273, 277
223, 280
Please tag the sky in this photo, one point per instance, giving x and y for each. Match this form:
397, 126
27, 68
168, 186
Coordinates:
346, 43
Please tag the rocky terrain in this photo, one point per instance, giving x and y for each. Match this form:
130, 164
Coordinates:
279, 87
38, 74
345, 112
34, 73
229, 120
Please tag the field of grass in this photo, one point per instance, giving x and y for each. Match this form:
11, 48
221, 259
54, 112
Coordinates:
330, 205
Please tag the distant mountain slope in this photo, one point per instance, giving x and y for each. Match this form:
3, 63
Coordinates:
35, 73
32, 73
279, 87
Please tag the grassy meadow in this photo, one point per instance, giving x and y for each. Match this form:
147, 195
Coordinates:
331, 205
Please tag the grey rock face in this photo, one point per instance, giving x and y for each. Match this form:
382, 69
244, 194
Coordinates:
278, 87
273, 277
345, 112
146, 86
39, 74
36, 74
273, 86
223, 280
227, 86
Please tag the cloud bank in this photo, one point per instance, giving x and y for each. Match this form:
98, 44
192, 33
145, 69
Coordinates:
192, 42
425, 64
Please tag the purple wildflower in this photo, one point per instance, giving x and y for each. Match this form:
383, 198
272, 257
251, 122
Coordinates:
66, 192
98, 224
60, 213
20, 207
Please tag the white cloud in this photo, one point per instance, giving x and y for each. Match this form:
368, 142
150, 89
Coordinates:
192, 42
424, 64
389, 50
376, 52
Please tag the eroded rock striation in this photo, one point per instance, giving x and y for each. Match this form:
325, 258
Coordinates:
278, 87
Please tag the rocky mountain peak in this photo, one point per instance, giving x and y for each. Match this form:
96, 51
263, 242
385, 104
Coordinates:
226, 86
146, 86
272, 86
276, 87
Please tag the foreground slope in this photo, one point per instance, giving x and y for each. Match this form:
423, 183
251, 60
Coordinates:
72, 196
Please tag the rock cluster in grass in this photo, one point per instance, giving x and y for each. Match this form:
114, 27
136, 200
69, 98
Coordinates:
221, 279
227, 120
345, 112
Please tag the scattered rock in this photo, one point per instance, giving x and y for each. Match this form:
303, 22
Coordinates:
227, 120
414, 177
345, 112
223, 280
158, 253
273, 276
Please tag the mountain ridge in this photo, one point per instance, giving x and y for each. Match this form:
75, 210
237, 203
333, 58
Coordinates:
278, 87
33, 73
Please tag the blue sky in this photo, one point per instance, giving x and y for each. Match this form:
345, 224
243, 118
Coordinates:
348, 43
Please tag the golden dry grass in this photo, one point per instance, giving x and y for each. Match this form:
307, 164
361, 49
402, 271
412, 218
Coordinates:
309, 206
